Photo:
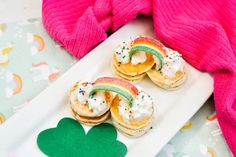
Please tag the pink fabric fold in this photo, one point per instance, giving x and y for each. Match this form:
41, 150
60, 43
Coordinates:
204, 31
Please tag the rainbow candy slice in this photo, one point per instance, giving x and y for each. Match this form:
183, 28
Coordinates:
116, 85
148, 45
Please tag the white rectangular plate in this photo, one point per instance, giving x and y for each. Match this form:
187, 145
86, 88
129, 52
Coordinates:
174, 108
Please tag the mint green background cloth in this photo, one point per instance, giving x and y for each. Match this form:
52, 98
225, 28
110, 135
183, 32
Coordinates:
22, 54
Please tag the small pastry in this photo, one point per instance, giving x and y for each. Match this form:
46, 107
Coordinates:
130, 61
132, 109
90, 110
171, 73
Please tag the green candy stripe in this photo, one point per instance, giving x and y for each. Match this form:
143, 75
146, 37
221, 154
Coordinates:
148, 50
113, 89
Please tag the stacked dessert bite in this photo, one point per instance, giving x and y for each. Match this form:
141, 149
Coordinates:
165, 67
131, 109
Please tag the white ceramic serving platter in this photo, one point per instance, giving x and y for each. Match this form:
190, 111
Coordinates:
173, 108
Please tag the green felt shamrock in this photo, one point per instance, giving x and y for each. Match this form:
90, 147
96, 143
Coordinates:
68, 139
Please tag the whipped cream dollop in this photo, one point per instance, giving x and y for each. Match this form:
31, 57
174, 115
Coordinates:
97, 102
83, 90
139, 57
142, 107
122, 52
172, 63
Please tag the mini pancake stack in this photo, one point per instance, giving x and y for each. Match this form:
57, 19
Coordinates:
123, 66
132, 110
171, 74
168, 83
81, 106
130, 120
164, 66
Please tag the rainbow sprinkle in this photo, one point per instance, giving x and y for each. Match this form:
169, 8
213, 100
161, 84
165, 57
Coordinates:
116, 85
2, 118
150, 46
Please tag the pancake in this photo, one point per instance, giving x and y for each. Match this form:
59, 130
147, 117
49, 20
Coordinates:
134, 70
83, 109
135, 79
168, 83
132, 132
132, 128
91, 120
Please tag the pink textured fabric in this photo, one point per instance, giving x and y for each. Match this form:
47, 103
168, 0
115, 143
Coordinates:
204, 31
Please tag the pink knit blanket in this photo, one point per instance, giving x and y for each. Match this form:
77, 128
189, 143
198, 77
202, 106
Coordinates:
204, 31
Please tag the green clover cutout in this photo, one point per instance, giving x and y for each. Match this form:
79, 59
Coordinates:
68, 139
